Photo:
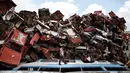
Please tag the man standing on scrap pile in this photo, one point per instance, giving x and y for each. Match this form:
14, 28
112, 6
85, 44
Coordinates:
61, 56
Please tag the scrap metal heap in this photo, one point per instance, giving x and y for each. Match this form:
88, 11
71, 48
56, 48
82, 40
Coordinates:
28, 37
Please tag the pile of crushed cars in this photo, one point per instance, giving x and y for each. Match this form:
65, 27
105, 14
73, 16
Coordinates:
27, 37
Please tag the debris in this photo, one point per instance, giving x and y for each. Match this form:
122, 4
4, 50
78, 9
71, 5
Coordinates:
91, 37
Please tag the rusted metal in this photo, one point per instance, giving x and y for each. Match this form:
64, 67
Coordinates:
91, 37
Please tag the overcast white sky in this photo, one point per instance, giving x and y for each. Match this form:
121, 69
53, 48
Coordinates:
69, 7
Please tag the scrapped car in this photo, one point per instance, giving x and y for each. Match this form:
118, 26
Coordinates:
13, 48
